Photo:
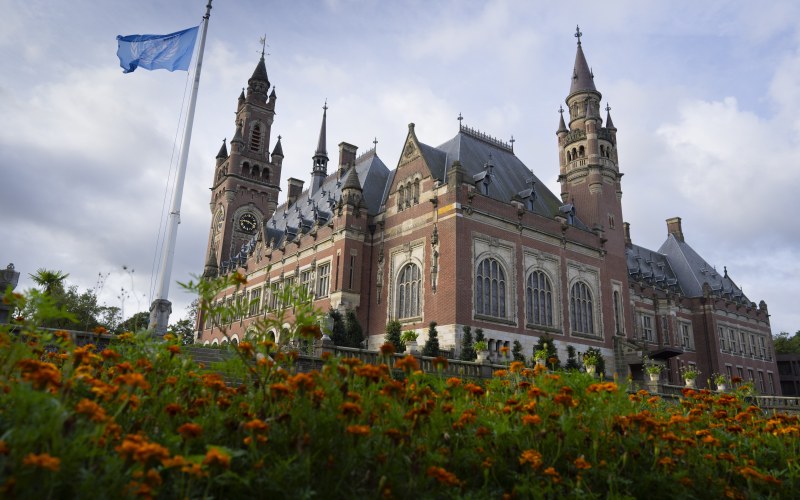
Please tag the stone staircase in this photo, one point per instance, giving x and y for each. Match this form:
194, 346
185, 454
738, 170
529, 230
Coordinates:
207, 357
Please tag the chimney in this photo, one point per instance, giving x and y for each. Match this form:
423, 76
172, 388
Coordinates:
674, 228
347, 157
626, 226
294, 191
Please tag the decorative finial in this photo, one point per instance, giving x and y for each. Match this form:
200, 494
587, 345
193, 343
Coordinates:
325, 106
263, 41
460, 118
512, 141
560, 109
375, 143
608, 107
279, 137
578, 33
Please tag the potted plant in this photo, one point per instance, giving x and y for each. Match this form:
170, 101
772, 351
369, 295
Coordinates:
721, 381
482, 350
590, 360
409, 338
653, 369
690, 374
540, 355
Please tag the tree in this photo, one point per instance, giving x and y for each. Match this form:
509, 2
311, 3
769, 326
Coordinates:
467, 348
516, 352
432, 343
184, 330
572, 360
138, 322
354, 332
338, 332
393, 329
50, 281
546, 341
784, 344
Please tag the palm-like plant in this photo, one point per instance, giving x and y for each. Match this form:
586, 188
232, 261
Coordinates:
49, 280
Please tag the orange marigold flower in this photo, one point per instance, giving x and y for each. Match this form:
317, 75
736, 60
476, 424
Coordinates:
535, 392
351, 362
40, 373
301, 381
358, 430
350, 409
215, 456
139, 449
100, 330
134, 379
582, 464
110, 354
173, 349
387, 349
500, 373
565, 400
443, 476
310, 332
553, 473
43, 461
504, 350
666, 461
453, 382
172, 409
279, 389
94, 411
532, 457
190, 430
239, 278
531, 420
371, 372
440, 363
408, 364
256, 425
475, 389
246, 347
516, 366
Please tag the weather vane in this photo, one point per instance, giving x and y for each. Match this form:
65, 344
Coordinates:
263, 41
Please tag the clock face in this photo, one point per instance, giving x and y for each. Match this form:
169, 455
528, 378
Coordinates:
248, 223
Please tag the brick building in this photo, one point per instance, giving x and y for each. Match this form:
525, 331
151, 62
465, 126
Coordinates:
464, 233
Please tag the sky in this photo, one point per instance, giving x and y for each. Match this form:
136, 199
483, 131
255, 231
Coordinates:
705, 97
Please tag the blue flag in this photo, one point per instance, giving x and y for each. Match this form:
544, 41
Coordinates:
170, 52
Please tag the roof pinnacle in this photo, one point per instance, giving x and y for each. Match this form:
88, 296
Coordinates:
578, 33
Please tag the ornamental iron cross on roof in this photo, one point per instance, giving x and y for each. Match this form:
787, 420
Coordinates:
578, 34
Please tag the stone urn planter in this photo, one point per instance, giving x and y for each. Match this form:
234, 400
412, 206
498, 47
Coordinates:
540, 361
722, 387
654, 377
483, 356
591, 369
690, 383
412, 347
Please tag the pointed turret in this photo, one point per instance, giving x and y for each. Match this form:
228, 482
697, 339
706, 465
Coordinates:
278, 151
351, 189
258, 84
582, 76
237, 143
223, 154
609, 123
562, 127
320, 159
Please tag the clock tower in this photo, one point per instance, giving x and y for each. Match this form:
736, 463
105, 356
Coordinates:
244, 191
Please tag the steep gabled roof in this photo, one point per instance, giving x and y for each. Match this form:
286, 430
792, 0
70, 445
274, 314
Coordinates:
652, 267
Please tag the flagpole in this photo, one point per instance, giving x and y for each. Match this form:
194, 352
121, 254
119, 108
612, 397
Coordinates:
161, 307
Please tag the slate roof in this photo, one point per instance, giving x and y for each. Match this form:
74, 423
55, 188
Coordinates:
582, 77
677, 263
311, 208
510, 177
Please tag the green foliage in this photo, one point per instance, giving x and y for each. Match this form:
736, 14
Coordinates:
338, 330
409, 336
595, 356
393, 336
184, 331
572, 360
136, 323
354, 332
479, 335
545, 349
467, 348
516, 352
785, 344
142, 419
431, 347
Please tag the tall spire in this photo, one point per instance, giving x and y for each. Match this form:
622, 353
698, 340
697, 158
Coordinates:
582, 77
320, 158
321, 144
259, 82
609, 123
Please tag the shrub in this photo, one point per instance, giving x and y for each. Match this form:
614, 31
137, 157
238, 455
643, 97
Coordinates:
431, 347
467, 349
516, 352
393, 337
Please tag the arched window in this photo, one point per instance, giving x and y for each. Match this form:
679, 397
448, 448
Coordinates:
574, 153
580, 303
400, 194
256, 171
408, 194
408, 289
490, 289
246, 168
581, 151
539, 299
416, 191
265, 174
255, 138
